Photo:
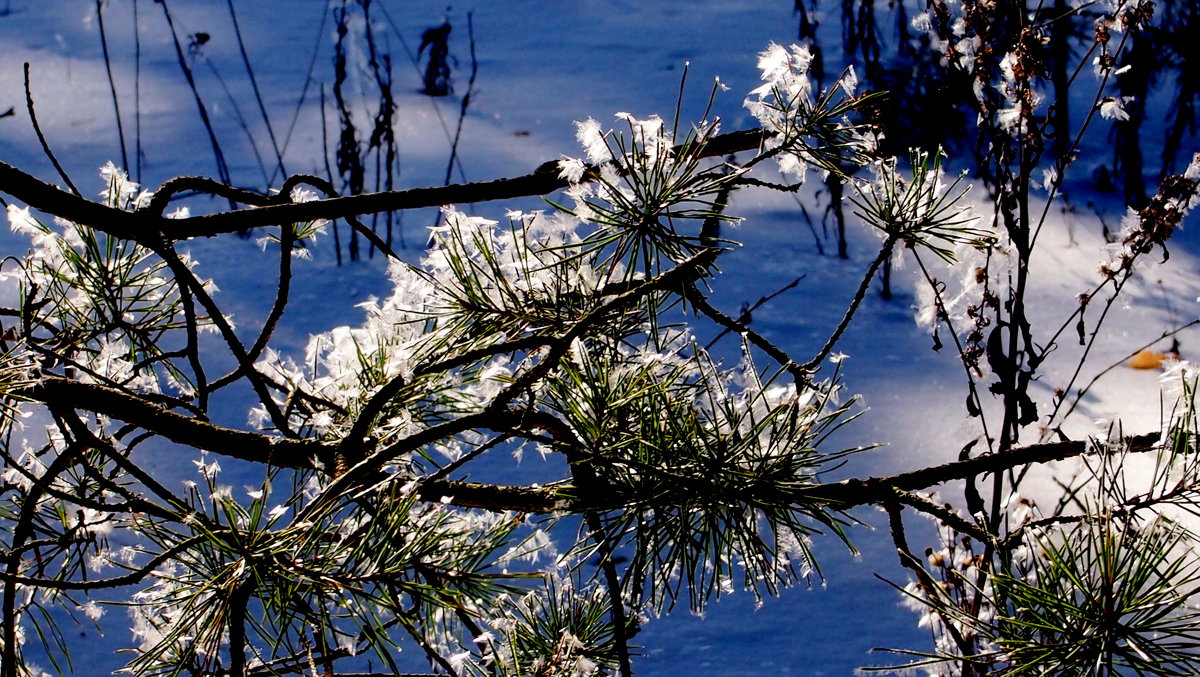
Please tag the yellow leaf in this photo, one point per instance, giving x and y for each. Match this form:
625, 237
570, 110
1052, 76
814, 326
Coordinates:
1147, 359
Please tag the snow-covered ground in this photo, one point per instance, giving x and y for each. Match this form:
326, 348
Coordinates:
541, 67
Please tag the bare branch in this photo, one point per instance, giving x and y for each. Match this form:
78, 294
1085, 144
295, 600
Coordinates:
185, 430
876, 490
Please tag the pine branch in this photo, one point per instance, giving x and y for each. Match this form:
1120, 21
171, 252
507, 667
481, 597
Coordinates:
142, 224
310, 454
841, 495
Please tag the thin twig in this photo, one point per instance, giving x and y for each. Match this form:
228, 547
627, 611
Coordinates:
37, 129
612, 581
859, 295
337, 239
187, 279
236, 107
308, 80
698, 300
943, 513
112, 85
137, 96
1080, 393
262, 108
925, 580
466, 101
218, 155
130, 578
745, 315
22, 531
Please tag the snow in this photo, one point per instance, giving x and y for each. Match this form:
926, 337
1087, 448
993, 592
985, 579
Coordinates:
541, 71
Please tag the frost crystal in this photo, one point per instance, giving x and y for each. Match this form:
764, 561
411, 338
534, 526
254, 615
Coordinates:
1113, 108
92, 610
571, 169
591, 137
